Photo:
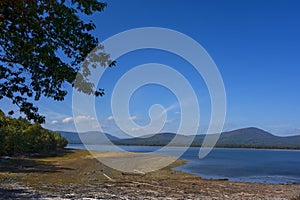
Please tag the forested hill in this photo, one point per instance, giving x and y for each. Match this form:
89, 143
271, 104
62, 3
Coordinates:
241, 138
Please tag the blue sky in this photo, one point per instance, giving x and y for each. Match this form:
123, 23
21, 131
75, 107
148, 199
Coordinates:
254, 43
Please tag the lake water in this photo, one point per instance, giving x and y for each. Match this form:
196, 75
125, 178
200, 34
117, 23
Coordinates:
244, 165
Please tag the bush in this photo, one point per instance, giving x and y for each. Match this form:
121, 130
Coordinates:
19, 136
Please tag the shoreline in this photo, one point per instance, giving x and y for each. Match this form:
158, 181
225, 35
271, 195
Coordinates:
266, 179
75, 174
238, 148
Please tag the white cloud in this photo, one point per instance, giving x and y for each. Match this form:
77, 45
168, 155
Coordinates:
67, 120
78, 119
110, 118
171, 107
136, 129
169, 121
95, 126
54, 122
177, 113
132, 118
83, 118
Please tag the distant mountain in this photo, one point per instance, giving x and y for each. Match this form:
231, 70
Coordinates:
257, 138
241, 138
160, 139
90, 137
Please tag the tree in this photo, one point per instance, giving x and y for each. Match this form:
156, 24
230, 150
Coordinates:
35, 37
19, 136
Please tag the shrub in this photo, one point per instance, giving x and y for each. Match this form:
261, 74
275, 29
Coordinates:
19, 136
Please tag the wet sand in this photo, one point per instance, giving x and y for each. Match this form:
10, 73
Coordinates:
75, 174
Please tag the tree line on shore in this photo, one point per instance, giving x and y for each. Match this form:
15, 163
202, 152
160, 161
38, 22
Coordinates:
19, 136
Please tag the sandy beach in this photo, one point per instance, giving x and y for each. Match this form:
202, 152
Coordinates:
75, 174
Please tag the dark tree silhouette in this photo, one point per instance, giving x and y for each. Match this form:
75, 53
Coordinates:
35, 36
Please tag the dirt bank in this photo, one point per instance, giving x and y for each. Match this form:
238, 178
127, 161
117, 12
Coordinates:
75, 174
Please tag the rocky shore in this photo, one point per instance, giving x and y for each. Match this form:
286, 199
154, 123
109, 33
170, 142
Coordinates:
77, 175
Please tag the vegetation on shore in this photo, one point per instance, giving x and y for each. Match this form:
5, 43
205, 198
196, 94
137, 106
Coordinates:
19, 136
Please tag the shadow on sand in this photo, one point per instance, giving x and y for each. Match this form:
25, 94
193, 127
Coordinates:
30, 164
18, 194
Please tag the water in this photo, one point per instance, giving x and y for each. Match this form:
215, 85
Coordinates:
243, 165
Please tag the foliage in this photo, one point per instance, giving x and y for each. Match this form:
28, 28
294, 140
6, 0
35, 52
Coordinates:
18, 136
35, 37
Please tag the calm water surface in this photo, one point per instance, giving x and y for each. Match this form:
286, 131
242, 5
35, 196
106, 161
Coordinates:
244, 165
